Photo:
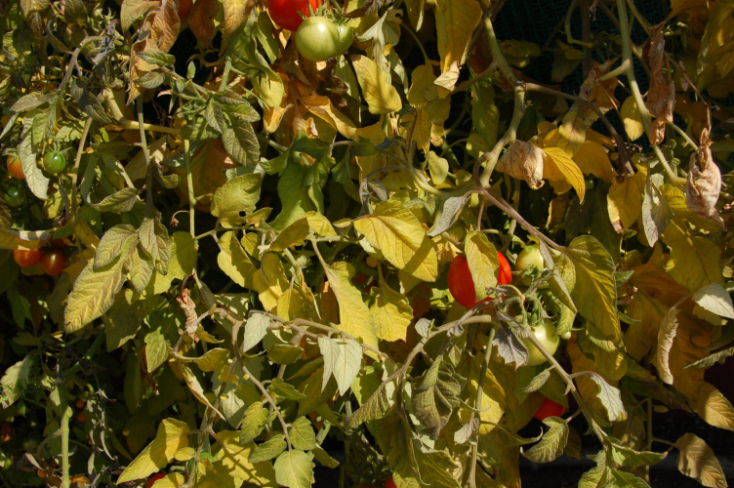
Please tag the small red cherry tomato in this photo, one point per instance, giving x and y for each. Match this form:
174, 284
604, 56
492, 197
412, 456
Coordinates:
390, 483
53, 262
27, 258
549, 408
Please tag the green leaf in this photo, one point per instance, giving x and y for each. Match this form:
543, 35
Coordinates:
253, 422
623, 479
510, 347
435, 394
156, 350
15, 380
31, 101
374, 408
159, 58
170, 438
629, 458
34, 177
236, 464
256, 328
302, 435
380, 95
324, 459
538, 382
286, 390
711, 359
450, 211
150, 80
392, 312
714, 298
268, 449
610, 397
116, 242
240, 141
355, 318
347, 363
234, 197
141, 269
93, 294
233, 260
395, 230
552, 444
693, 261
292, 235
595, 292
294, 469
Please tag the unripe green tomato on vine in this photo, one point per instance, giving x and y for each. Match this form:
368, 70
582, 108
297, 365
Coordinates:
546, 335
318, 39
530, 256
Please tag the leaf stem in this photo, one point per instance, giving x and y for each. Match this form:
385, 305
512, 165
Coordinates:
146, 157
478, 405
190, 184
270, 400
77, 160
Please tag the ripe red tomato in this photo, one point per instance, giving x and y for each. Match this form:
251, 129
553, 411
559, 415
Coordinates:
27, 258
549, 408
154, 478
285, 12
14, 167
53, 262
390, 483
461, 284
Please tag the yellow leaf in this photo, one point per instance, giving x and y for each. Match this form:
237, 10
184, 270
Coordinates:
561, 169
233, 260
234, 457
631, 119
482, 259
397, 232
493, 397
171, 436
694, 261
593, 159
455, 23
270, 281
297, 302
572, 132
714, 408
380, 95
233, 15
393, 313
624, 203
595, 292
293, 235
269, 86
698, 461
320, 225
355, 318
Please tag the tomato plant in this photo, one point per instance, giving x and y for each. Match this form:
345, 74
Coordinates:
546, 334
25, 258
461, 283
286, 13
55, 162
53, 262
549, 408
318, 39
529, 256
263, 216
15, 167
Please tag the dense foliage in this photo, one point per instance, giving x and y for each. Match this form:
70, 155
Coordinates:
219, 260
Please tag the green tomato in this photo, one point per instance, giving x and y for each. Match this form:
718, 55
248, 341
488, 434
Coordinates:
346, 36
55, 162
566, 335
548, 338
14, 196
317, 39
530, 256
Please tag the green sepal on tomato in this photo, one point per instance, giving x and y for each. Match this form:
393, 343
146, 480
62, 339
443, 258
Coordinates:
529, 257
461, 283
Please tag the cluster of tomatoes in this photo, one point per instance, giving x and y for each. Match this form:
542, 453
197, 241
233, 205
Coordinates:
53, 259
54, 162
318, 38
461, 286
